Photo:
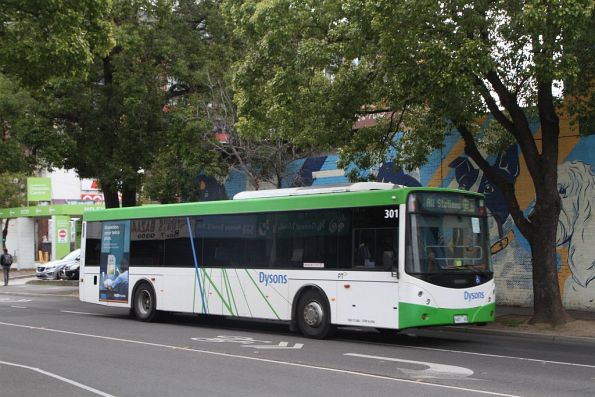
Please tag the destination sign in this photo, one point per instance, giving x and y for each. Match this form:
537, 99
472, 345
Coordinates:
446, 203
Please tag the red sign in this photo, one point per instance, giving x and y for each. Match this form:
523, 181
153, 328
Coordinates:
62, 233
97, 197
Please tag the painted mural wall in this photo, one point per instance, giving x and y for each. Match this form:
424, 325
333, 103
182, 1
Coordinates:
450, 167
510, 250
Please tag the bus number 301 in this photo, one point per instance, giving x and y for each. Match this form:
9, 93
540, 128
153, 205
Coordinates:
390, 214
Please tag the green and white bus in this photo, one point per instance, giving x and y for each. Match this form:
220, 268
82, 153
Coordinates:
367, 255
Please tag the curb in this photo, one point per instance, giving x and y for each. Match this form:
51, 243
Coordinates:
581, 340
54, 283
61, 294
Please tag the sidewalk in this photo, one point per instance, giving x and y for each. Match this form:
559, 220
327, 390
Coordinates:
17, 274
24, 282
514, 320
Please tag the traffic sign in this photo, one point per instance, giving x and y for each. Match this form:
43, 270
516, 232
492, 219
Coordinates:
62, 236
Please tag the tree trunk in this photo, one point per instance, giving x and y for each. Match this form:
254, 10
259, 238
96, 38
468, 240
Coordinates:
547, 305
110, 195
128, 196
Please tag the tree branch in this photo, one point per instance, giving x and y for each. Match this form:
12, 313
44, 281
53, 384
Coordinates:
505, 186
522, 130
494, 109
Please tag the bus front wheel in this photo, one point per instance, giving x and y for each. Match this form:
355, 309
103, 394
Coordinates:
313, 315
145, 306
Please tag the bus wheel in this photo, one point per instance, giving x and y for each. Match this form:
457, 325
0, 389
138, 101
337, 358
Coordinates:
145, 308
313, 315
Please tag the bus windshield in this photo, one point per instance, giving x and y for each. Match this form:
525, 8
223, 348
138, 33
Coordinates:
449, 241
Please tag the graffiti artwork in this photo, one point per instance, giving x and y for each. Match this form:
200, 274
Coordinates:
576, 229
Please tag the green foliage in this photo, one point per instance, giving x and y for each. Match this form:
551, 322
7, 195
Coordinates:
28, 139
283, 83
42, 39
141, 114
13, 189
312, 67
173, 175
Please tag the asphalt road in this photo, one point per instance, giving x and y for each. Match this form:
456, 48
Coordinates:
57, 346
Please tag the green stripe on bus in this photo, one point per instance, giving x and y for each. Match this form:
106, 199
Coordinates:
225, 303
229, 290
243, 293
411, 315
263, 295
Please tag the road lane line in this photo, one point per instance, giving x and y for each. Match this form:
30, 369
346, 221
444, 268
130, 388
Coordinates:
19, 307
259, 359
535, 360
63, 379
84, 313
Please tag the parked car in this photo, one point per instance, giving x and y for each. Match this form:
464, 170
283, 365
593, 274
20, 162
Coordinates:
70, 272
51, 270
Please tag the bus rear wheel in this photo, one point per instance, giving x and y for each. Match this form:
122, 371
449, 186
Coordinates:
145, 305
313, 315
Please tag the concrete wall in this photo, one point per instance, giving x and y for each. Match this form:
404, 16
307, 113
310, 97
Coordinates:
20, 242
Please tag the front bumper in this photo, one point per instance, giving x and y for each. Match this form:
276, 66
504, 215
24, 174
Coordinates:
47, 274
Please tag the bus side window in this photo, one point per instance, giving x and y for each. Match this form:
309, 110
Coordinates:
364, 258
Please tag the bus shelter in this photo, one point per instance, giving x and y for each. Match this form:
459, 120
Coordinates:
44, 232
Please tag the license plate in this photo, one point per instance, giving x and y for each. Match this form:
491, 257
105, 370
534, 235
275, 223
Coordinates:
461, 319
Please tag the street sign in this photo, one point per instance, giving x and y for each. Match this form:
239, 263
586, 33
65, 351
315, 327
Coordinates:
62, 236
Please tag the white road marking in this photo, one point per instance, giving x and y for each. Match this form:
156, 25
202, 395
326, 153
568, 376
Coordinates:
280, 346
11, 300
84, 313
259, 359
535, 360
242, 340
63, 379
434, 370
19, 307
247, 341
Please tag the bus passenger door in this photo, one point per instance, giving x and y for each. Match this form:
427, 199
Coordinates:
89, 262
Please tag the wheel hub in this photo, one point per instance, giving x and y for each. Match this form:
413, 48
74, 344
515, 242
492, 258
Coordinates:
313, 314
145, 301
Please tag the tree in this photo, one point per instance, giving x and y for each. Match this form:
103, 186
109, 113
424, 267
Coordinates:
40, 41
132, 120
12, 194
117, 116
201, 136
44, 39
262, 157
28, 141
311, 68
172, 177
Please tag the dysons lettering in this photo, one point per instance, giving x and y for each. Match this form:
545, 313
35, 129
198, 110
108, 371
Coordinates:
267, 279
469, 296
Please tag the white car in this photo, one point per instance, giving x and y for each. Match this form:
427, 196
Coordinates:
51, 270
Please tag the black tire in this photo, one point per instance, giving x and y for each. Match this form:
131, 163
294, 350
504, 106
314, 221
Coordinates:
144, 303
313, 315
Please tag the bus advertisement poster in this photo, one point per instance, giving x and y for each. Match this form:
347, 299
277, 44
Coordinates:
114, 261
